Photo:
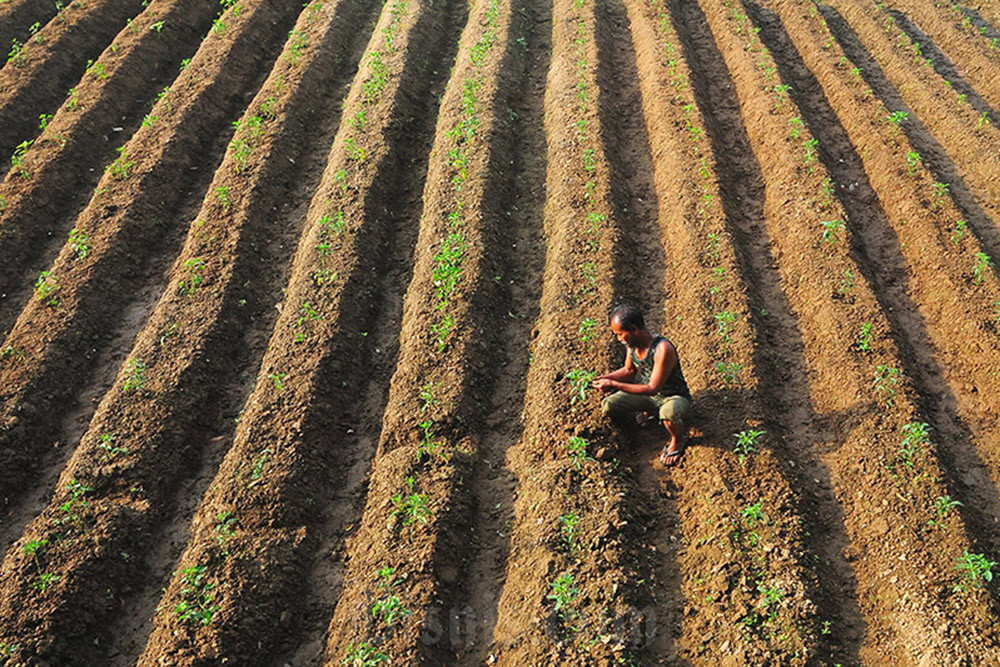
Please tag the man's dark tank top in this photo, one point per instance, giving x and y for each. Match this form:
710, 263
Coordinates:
674, 385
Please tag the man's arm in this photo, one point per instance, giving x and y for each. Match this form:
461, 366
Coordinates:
664, 360
620, 375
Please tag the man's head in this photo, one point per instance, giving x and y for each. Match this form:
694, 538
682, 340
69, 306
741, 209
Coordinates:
626, 322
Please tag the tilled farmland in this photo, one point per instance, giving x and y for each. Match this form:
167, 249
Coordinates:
301, 305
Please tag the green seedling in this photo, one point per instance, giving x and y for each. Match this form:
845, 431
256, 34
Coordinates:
752, 515
157, 27
196, 606
222, 192
44, 581
796, 126
135, 376
46, 288
363, 655
72, 100
225, 524
43, 121
11, 351
983, 119
389, 609
897, 117
297, 42
830, 229
975, 571
188, 286
111, 451
942, 506
577, 448
96, 70
79, 243
912, 162
865, 337
17, 159
586, 329
580, 382
886, 381
119, 168
957, 234
16, 54
412, 506
447, 271
428, 401
564, 594
940, 192
981, 267
430, 445
278, 379
730, 372
568, 529
846, 283
724, 321
915, 436
441, 330
747, 444
259, 465
307, 314
810, 147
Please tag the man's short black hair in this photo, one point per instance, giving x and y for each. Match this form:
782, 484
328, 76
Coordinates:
628, 317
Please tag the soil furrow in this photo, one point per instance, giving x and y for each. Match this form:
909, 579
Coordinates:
121, 462
281, 464
881, 259
570, 578
66, 161
284, 166
129, 234
492, 482
981, 18
954, 355
801, 347
35, 80
725, 406
944, 66
19, 17
469, 186
945, 145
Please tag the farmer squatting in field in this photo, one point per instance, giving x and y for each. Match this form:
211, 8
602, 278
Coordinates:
650, 382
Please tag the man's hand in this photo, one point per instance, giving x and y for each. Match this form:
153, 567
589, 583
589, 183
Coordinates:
605, 385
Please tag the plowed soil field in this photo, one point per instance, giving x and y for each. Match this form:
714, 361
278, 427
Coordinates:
301, 305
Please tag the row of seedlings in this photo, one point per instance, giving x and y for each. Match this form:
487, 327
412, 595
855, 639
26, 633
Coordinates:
281, 463
124, 234
955, 285
37, 72
980, 23
973, 62
888, 222
93, 538
569, 575
405, 558
809, 228
19, 18
965, 158
753, 593
47, 176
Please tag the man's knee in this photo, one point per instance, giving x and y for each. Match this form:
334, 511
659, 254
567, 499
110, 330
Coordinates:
612, 407
673, 409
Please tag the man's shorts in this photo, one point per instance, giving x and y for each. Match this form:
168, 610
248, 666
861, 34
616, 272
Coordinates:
669, 408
